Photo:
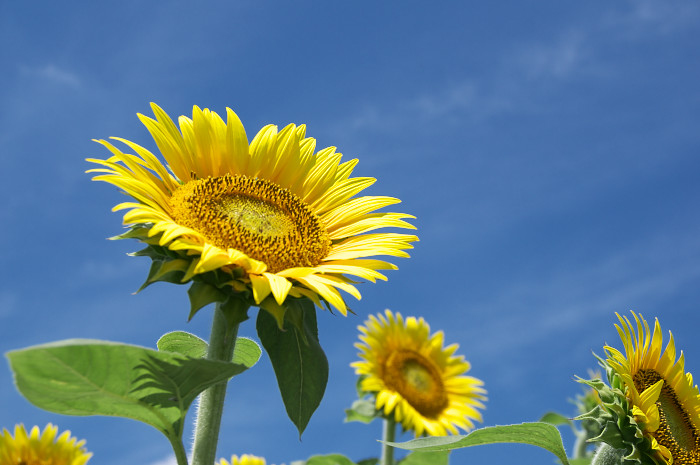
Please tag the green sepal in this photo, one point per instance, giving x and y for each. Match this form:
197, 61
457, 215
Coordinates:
362, 410
235, 309
277, 311
301, 367
169, 271
138, 231
90, 377
202, 294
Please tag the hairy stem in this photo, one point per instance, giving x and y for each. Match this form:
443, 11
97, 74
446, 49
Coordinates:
211, 404
388, 436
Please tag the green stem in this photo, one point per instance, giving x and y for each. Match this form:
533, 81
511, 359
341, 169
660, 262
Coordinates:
581, 445
179, 450
211, 403
607, 455
388, 436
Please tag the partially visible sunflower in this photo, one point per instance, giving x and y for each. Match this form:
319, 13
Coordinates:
244, 459
275, 217
414, 378
39, 448
651, 410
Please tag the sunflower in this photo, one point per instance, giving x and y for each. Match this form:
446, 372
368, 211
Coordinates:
41, 448
244, 459
276, 218
414, 378
658, 416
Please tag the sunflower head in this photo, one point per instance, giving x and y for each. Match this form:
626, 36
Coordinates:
268, 220
414, 378
41, 448
650, 407
244, 459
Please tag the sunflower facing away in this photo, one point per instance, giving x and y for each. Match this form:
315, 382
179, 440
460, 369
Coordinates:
41, 448
244, 459
276, 217
414, 378
660, 405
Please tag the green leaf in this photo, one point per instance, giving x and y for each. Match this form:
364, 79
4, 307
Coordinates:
372, 461
555, 419
362, 410
246, 351
541, 435
88, 377
183, 343
300, 365
330, 459
426, 458
581, 461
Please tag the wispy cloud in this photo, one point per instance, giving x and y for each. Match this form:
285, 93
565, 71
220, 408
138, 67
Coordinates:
558, 59
52, 73
654, 17
166, 461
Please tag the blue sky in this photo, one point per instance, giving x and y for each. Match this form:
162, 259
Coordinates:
549, 150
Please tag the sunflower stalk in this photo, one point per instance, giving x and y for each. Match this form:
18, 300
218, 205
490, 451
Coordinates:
206, 436
389, 435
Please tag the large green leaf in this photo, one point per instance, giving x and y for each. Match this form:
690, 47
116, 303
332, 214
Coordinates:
300, 365
426, 458
89, 377
330, 459
246, 351
541, 435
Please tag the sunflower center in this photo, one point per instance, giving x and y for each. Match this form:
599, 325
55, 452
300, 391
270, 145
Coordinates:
418, 381
676, 430
254, 216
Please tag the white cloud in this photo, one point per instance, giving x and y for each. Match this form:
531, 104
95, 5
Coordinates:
652, 17
53, 73
166, 461
558, 59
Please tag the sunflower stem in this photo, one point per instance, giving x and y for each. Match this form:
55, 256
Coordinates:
581, 444
607, 455
211, 404
388, 436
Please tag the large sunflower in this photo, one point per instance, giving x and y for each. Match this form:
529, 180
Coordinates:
414, 378
39, 448
276, 218
662, 404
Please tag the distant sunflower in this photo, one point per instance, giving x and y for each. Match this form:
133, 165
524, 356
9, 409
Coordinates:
41, 448
278, 219
414, 378
242, 460
662, 395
